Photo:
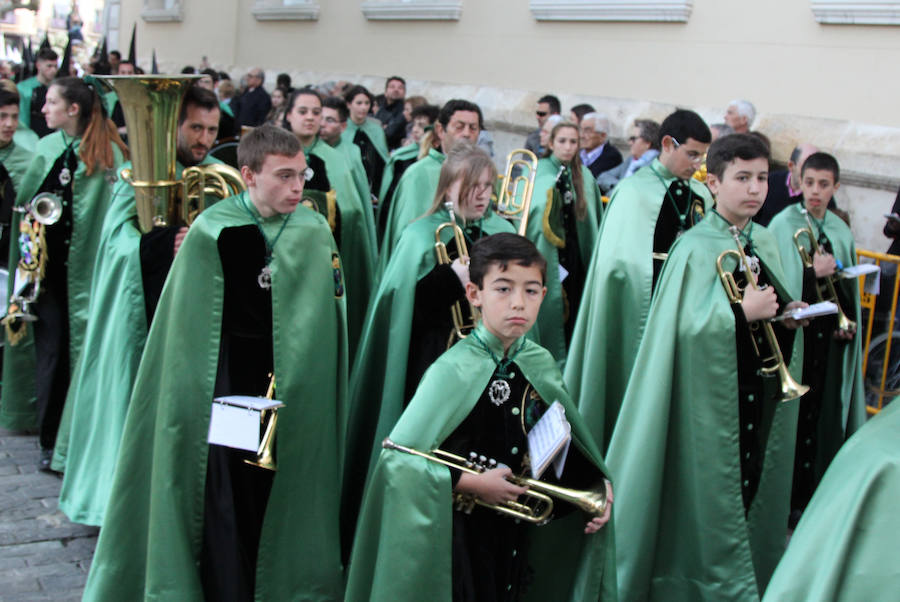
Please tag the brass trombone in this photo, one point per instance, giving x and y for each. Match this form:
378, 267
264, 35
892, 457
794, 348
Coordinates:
265, 455
514, 201
538, 503
844, 323
461, 326
773, 360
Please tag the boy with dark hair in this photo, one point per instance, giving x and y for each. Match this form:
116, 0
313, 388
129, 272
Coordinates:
834, 407
483, 395
703, 444
33, 92
645, 215
255, 277
14, 161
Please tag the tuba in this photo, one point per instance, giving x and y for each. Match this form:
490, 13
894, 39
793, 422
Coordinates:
537, 504
203, 185
806, 255
514, 201
772, 359
461, 326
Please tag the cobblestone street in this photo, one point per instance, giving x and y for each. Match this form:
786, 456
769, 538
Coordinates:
43, 556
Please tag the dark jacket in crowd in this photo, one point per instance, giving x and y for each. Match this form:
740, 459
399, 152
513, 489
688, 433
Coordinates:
251, 108
391, 115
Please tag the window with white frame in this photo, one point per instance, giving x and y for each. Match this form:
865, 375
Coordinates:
162, 10
611, 10
855, 12
286, 10
415, 10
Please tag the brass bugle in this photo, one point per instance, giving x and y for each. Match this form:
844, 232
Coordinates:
772, 359
46, 208
538, 500
513, 203
461, 326
844, 323
265, 455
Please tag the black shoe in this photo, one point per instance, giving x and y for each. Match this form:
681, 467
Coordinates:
46, 458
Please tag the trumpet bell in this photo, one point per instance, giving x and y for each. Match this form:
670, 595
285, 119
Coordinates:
46, 208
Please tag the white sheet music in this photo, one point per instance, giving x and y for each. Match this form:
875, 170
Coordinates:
549, 440
235, 420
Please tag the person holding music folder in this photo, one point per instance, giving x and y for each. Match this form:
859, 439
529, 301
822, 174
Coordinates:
484, 395
834, 407
129, 274
704, 442
254, 293
74, 170
647, 212
457, 120
562, 223
338, 198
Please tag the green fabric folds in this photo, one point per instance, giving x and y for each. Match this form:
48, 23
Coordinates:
26, 88
675, 450
152, 532
549, 330
88, 441
412, 198
402, 550
845, 546
616, 298
91, 196
851, 394
16, 159
372, 128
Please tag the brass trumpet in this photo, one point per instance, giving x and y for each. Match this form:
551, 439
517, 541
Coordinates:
773, 361
844, 323
265, 455
538, 504
514, 201
461, 326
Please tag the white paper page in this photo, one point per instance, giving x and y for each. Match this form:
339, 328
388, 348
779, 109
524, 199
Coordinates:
233, 426
858, 270
547, 437
249, 401
563, 272
823, 308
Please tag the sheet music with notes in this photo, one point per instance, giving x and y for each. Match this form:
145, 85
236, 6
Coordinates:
548, 441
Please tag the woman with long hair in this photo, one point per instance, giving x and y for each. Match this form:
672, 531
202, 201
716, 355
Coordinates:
77, 165
367, 133
562, 223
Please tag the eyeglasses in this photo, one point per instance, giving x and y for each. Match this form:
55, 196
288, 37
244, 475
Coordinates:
694, 156
541, 113
632, 139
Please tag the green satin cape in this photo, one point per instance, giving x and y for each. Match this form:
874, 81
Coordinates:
402, 550
87, 445
17, 161
845, 546
371, 128
25, 137
404, 153
413, 196
616, 298
851, 394
378, 378
152, 532
549, 330
358, 248
675, 450
357, 170
26, 88
91, 194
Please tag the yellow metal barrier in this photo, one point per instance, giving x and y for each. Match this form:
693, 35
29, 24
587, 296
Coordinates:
887, 366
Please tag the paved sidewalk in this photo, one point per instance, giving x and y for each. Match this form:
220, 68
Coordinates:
43, 556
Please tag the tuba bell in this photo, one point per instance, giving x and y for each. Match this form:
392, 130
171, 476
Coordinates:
517, 187
806, 255
772, 359
461, 326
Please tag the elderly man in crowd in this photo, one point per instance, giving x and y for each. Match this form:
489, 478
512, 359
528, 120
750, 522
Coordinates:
740, 115
596, 153
643, 140
253, 106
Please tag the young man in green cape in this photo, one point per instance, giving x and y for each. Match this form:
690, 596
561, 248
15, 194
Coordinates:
367, 133
844, 546
562, 223
458, 120
14, 161
401, 159
482, 396
703, 448
129, 274
33, 92
647, 212
354, 224
255, 293
409, 321
334, 122
834, 407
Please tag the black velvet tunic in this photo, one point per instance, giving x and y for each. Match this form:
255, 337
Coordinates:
570, 257
668, 224
372, 161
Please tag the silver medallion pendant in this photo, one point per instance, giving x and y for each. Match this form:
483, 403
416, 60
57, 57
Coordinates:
65, 176
499, 392
265, 278
568, 197
754, 265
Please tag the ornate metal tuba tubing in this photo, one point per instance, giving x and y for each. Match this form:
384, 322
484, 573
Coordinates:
772, 360
510, 204
202, 181
461, 327
807, 255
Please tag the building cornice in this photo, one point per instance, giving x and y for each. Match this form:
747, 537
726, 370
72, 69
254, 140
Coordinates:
612, 10
277, 10
844, 12
412, 10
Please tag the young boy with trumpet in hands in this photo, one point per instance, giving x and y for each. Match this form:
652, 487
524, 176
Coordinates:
834, 408
485, 395
704, 443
